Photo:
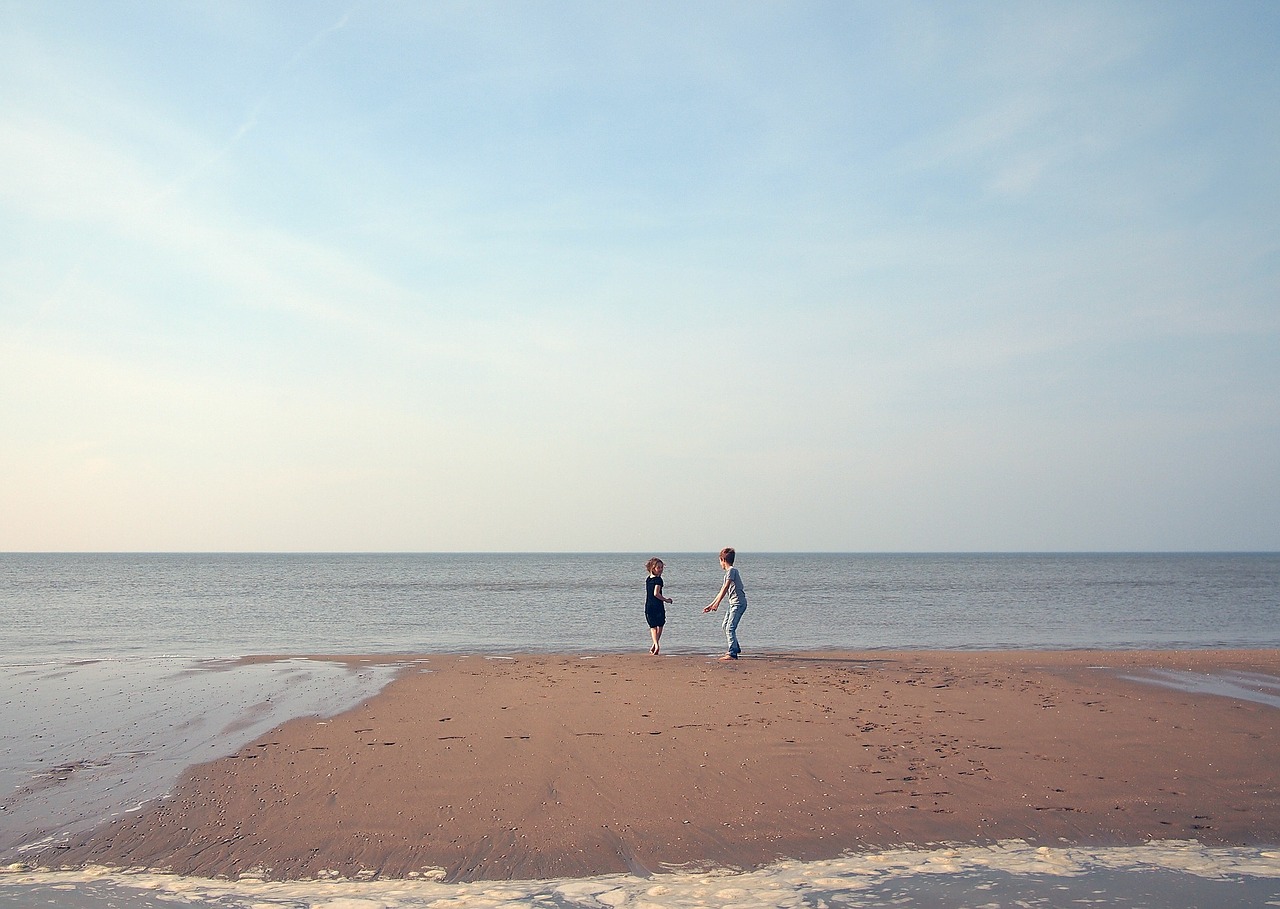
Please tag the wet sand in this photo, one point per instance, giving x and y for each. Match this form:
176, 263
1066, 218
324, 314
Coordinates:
86, 741
563, 766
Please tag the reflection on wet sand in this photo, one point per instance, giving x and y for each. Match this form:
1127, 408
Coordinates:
88, 741
1256, 687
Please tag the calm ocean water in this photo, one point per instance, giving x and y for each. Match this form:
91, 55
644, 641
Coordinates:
58, 606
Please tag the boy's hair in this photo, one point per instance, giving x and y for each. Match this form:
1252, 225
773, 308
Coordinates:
727, 554
652, 564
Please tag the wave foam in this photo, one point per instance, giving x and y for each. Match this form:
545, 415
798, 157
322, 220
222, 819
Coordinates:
786, 884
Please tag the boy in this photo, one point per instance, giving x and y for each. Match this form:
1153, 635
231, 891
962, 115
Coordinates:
732, 587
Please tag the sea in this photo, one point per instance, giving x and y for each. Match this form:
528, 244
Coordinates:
118, 671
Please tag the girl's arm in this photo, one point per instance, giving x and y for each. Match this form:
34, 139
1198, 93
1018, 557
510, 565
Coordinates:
657, 592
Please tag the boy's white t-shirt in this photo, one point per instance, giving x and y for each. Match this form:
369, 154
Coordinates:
737, 595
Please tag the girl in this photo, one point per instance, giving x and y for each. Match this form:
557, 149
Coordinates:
655, 604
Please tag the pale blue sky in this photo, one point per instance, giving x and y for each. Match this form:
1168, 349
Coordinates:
639, 276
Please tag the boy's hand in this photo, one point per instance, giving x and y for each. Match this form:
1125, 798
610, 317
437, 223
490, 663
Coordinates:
710, 608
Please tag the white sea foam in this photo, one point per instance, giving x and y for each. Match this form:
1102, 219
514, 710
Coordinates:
844, 881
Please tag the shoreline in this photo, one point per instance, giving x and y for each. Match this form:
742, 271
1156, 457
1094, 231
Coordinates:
473, 767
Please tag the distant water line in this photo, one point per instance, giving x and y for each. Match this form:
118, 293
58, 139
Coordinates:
93, 606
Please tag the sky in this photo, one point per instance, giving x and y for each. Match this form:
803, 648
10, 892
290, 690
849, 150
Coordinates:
639, 276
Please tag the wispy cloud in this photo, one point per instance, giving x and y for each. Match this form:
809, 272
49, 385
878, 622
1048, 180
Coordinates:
258, 108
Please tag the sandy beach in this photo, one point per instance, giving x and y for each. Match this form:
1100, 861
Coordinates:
529, 767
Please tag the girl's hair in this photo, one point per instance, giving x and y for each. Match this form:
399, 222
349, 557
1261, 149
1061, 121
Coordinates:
653, 564
727, 554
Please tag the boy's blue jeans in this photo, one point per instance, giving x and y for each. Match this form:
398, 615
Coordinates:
731, 620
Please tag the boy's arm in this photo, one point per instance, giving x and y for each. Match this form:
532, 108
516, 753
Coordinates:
715, 604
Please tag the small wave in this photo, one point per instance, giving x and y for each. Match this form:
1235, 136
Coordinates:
1160, 875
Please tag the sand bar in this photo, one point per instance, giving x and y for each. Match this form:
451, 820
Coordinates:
543, 766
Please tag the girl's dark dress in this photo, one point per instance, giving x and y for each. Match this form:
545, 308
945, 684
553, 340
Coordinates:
655, 611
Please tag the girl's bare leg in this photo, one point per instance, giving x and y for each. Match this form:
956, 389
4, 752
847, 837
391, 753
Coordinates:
657, 635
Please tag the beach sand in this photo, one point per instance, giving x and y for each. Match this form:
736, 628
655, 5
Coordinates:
540, 766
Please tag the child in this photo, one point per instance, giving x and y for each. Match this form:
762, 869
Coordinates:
732, 587
655, 604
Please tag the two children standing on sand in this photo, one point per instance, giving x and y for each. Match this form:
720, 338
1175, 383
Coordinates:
655, 609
